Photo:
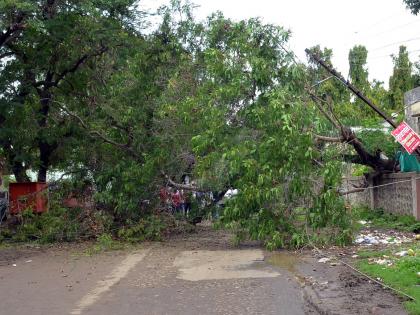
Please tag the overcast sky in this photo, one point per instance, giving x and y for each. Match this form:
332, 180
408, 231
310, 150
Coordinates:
381, 25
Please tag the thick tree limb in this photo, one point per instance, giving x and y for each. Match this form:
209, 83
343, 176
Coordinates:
349, 137
329, 139
366, 158
183, 186
12, 31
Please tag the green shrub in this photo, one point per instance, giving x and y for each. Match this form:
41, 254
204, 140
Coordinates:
150, 228
379, 218
57, 225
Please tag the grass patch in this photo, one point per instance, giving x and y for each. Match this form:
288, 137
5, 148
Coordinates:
401, 275
105, 243
373, 254
380, 219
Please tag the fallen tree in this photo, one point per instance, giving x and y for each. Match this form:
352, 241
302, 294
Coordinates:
378, 162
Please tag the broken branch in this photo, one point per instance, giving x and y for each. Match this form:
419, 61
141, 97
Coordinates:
329, 139
182, 186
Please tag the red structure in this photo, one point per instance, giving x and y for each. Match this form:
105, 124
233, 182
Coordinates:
28, 196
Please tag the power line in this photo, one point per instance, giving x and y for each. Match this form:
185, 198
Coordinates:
390, 30
393, 28
375, 23
396, 43
369, 58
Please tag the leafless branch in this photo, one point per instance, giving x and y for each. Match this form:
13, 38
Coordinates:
329, 139
183, 186
317, 100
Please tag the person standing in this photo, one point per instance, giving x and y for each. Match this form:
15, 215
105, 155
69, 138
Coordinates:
176, 200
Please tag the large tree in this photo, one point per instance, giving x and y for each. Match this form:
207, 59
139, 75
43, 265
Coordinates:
401, 79
358, 71
51, 47
416, 75
223, 101
413, 5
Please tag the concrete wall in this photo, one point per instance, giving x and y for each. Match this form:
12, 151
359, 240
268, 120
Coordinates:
397, 193
357, 199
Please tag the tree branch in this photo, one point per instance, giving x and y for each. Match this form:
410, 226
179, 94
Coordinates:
97, 134
12, 31
349, 137
329, 139
76, 65
182, 186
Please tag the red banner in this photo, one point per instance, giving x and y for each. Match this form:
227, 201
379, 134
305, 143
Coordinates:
406, 137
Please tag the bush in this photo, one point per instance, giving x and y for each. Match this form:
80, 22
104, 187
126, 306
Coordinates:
56, 225
150, 228
379, 218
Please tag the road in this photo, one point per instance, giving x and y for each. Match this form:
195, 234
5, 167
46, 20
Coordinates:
195, 274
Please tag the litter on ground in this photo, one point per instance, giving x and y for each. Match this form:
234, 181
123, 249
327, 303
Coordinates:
369, 238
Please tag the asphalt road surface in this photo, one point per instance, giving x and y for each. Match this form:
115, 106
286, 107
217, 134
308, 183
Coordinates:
195, 274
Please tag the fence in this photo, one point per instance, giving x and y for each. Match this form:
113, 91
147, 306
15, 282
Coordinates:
397, 193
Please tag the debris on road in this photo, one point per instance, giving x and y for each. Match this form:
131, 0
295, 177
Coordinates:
381, 261
324, 260
402, 253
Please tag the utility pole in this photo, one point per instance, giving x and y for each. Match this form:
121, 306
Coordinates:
351, 87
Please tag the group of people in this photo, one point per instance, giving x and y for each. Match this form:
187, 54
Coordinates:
175, 200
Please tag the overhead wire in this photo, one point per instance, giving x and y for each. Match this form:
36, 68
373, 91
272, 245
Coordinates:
391, 29
396, 43
375, 23
396, 28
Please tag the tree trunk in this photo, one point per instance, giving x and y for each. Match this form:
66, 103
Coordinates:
45, 149
44, 158
20, 173
16, 166
366, 158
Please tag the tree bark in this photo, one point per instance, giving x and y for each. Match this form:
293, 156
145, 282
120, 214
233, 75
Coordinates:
366, 158
20, 173
16, 166
45, 148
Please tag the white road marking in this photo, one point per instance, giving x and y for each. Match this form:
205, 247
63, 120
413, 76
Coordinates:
215, 265
105, 285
